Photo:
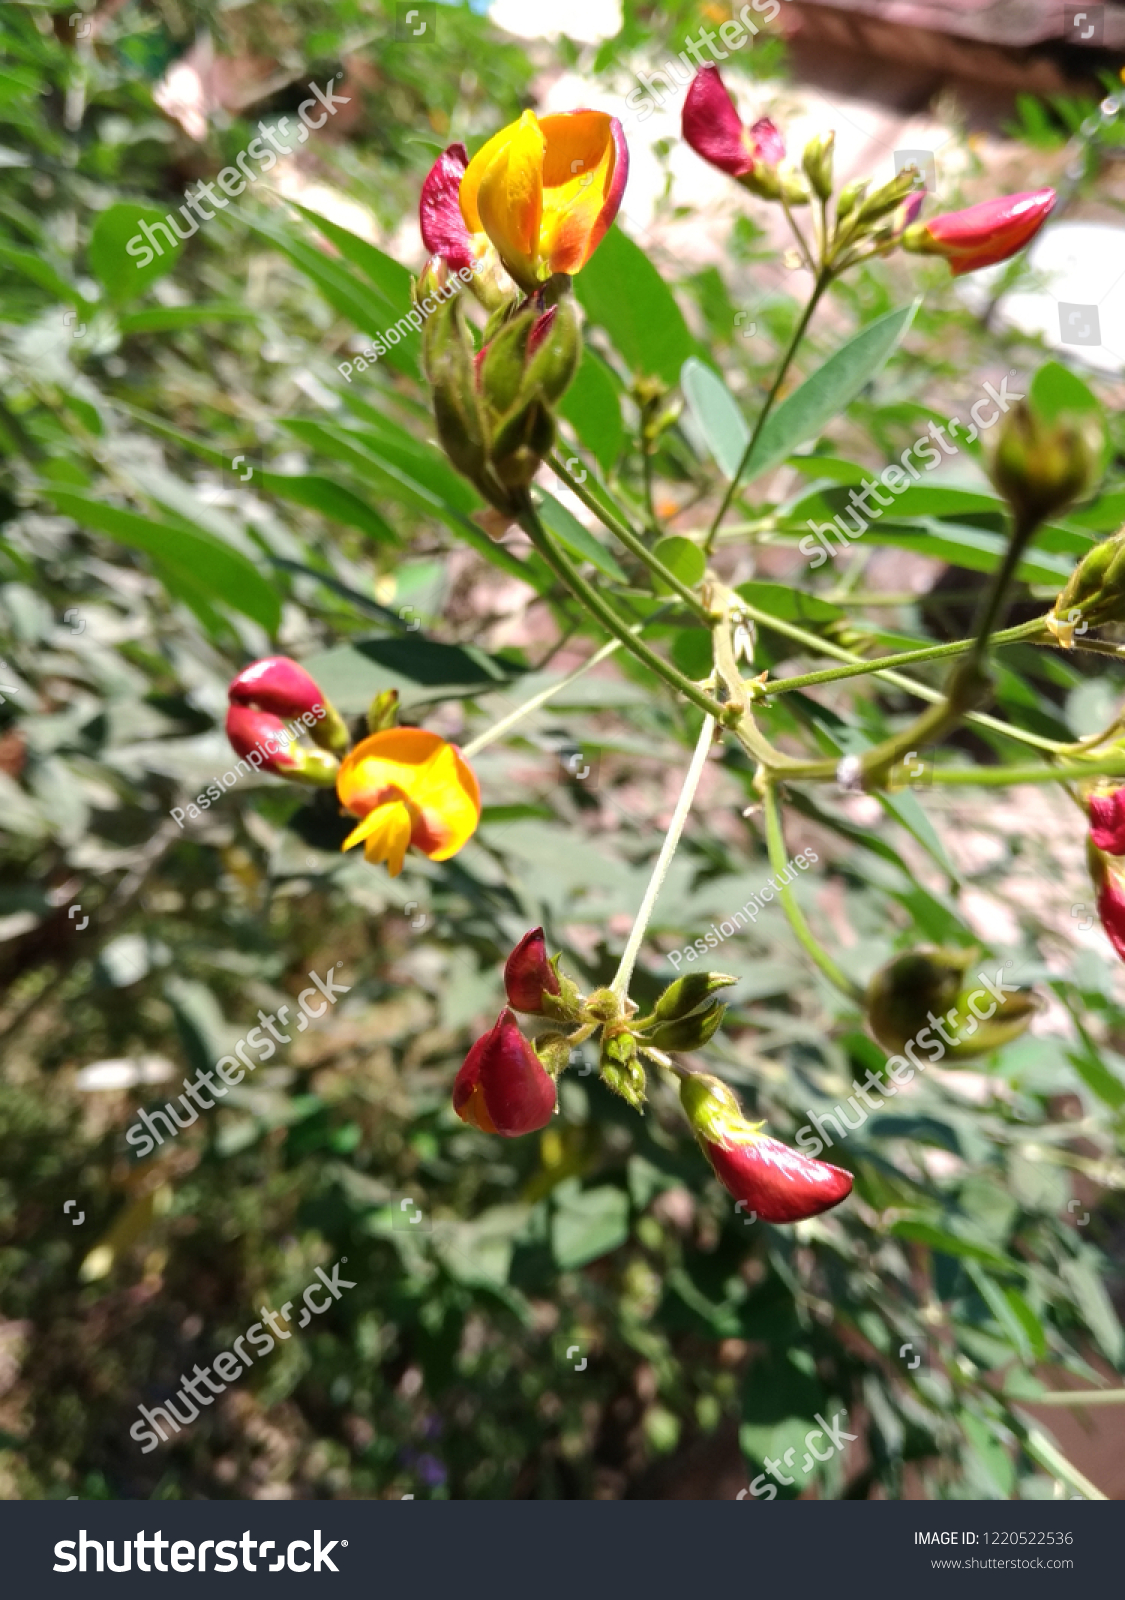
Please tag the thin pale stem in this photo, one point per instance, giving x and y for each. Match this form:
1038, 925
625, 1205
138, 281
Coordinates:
563, 568
1082, 1397
1048, 1455
775, 844
499, 729
620, 984
819, 287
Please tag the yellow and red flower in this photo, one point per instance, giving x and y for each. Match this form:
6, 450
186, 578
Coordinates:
544, 190
409, 787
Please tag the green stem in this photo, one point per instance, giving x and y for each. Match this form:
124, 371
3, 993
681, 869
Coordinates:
775, 844
821, 284
563, 568
1048, 1455
620, 984
999, 777
934, 652
921, 691
1022, 530
1082, 1397
635, 546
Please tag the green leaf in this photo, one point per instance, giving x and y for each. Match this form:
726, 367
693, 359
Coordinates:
716, 414
787, 604
352, 674
587, 1223
204, 560
577, 539
118, 268
1056, 391
332, 500
1095, 1305
621, 290
364, 306
170, 319
592, 408
828, 393
681, 556
42, 273
951, 1245
389, 277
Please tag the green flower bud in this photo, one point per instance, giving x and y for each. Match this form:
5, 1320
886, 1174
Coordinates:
817, 162
383, 711
924, 998
1095, 593
621, 1069
686, 1033
690, 994
713, 1109
850, 196
1042, 467
448, 359
891, 195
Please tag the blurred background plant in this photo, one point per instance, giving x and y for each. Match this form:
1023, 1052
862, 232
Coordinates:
187, 484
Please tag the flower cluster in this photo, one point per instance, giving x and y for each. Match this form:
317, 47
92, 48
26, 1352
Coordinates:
507, 1084
979, 236
525, 214
408, 787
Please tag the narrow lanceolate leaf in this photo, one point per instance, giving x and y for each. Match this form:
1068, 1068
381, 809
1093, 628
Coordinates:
809, 409
211, 565
577, 539
716, 414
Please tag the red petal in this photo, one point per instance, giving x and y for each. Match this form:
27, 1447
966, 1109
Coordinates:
712, 126
1107, 821
528, 973
518, 1092
248, 729
276, 684
439, 210
992, 231
1111, 909
780, 1184
767, 142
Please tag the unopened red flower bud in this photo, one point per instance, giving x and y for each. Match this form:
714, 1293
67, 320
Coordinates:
283, 687
983, 234
779, 1184
715, 131
262, 740
502, 1086
528, 974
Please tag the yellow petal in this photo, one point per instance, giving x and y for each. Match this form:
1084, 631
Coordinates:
475, 171
510, 198
385, 833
